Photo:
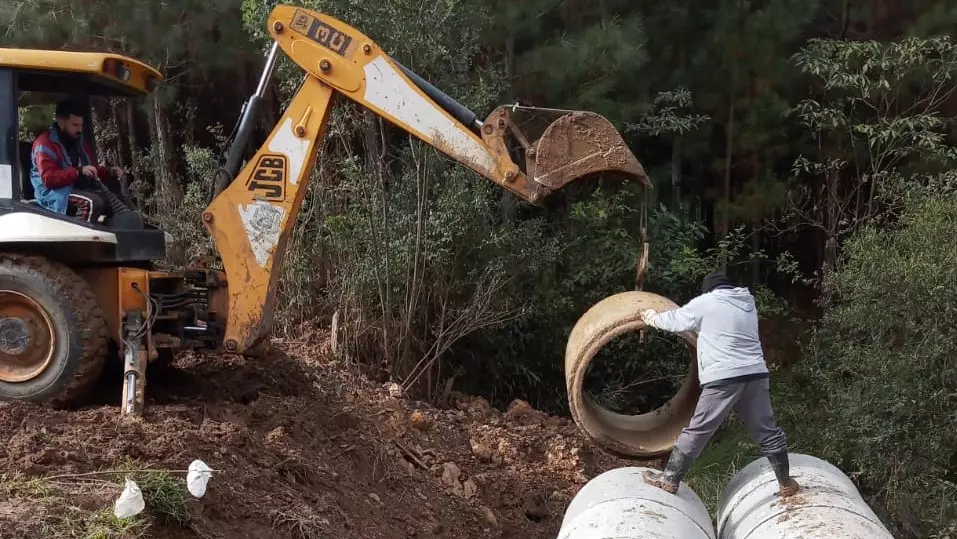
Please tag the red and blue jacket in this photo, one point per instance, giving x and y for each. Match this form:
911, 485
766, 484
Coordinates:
52, 173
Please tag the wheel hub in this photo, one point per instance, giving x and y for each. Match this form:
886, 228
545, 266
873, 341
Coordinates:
27, 337
14, 336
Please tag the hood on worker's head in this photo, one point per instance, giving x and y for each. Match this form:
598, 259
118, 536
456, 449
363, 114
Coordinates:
739, 296
714, 280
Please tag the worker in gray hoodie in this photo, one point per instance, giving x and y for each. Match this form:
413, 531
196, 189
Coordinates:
732, 373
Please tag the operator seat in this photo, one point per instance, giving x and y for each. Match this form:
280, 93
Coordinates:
26, 186
123, 220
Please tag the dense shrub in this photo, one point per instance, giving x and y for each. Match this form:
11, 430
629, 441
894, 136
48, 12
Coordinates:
884, 359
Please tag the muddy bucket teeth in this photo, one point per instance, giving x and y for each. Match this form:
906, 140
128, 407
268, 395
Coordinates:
580, 144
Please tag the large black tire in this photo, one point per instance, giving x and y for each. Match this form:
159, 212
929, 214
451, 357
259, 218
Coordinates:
60, 298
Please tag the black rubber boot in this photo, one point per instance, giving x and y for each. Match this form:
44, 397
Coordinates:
782, 470
670, 479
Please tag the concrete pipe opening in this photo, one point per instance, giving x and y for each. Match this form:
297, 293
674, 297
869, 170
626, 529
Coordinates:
643, 435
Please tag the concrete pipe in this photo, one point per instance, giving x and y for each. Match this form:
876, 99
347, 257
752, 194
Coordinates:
619, 504
629, 436
827, 506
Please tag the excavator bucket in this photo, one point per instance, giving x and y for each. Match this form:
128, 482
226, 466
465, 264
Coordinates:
580, 144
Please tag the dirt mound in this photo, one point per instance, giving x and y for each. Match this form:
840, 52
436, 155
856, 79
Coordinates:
303, 448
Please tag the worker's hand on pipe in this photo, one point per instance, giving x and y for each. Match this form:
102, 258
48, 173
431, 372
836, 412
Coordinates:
89, 171
647, 315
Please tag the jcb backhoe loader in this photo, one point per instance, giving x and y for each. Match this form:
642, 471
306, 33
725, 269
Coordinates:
74, 293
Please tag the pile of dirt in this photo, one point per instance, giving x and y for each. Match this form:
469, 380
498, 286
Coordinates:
303, 447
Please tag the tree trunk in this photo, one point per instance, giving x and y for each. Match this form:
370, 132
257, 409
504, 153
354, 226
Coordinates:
845, 19
167, 192
129, 119
832, 221
722, 226
755, 264
757, 171
676, 170
131, 130
510, 56
374, 144
416, 277
122, 139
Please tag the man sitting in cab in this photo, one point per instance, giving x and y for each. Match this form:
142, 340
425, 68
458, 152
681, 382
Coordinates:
64, 175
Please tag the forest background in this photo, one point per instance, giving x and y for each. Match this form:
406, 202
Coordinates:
806, 146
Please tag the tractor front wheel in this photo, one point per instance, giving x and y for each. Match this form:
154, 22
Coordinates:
53, 339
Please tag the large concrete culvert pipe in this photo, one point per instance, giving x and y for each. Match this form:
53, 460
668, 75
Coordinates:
630, 436
828, 506
619, 504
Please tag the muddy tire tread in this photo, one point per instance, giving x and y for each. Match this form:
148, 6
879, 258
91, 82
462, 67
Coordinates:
87, 313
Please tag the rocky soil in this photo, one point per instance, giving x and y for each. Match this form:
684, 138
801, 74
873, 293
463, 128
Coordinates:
303, 447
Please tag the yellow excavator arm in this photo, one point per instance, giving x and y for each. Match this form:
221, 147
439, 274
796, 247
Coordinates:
254, 209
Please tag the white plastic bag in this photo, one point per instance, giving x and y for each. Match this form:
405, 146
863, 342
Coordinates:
198, 476
130, 502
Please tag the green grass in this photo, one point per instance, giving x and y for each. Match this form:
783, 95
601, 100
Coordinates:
105, 525
76, 524
17, 483
166, 497
728, 451
73, 523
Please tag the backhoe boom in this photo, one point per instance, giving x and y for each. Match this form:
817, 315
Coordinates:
251, 218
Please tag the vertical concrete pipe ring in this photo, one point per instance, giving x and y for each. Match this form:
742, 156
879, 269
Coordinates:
646, 435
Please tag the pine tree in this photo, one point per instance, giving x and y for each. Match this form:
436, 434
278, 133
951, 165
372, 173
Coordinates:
574, 54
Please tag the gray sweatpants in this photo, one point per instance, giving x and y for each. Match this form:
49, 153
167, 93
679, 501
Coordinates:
751, 399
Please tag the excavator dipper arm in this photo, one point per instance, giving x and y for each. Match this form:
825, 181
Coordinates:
251, 218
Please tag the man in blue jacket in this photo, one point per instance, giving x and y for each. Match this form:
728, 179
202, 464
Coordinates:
732, 373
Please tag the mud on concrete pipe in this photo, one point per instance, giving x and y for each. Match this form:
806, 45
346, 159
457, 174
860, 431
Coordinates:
630, 436
619, 504
827, 506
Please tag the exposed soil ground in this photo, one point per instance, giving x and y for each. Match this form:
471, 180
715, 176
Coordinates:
303, 447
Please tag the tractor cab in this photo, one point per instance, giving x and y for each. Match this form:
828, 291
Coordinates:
31, 83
